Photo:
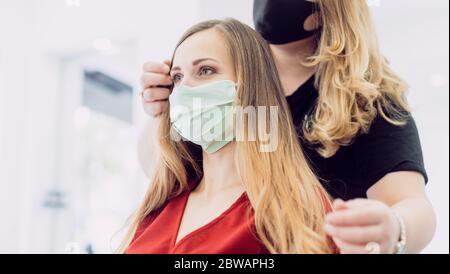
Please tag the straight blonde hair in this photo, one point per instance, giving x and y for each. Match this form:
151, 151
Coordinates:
287, 198
354, 80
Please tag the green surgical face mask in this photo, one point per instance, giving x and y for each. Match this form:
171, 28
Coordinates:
204, 114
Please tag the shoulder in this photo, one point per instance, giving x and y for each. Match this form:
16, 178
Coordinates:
386, 135
381, 125
387, 148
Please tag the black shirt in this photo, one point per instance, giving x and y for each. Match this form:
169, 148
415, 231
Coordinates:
355, 168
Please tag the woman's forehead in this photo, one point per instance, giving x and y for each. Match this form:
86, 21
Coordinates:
205, 44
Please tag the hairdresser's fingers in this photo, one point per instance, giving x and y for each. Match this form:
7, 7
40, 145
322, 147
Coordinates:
168, 63
155, 94
151, 79
156, 82
355, 234
339, 204
156, 108
349, 248
355, 217
358, 203
156, 67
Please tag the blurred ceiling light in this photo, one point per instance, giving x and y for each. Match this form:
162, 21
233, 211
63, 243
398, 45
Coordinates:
82, 117
73, 3
105, 46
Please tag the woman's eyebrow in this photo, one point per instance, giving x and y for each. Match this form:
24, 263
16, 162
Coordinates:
194, 63
198, 61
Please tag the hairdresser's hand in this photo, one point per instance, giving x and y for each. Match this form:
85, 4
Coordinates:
156, 84
363, 226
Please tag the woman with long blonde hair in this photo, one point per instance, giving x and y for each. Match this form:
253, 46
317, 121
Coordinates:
271, 200
352, 117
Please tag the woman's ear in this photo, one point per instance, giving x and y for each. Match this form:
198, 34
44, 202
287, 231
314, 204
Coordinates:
312, 22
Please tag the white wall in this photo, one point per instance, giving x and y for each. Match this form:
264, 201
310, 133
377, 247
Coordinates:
38, 38
415, 37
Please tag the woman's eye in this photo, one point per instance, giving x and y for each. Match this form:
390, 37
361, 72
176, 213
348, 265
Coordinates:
206, 71
177, 78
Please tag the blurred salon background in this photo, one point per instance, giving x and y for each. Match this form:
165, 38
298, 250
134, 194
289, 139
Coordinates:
70, 112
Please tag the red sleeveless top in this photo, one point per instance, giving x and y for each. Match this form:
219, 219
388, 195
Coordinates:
232, 232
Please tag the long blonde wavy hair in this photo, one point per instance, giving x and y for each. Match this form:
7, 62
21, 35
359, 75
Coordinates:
287, 198
354, 80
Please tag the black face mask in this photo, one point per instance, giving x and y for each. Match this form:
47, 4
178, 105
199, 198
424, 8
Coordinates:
282, 21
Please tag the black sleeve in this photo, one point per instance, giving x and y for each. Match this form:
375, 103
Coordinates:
388, 148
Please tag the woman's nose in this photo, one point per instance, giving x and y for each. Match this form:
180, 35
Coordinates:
191, 82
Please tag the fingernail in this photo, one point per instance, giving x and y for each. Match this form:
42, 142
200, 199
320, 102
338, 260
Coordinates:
329, 229
329, 217
338, 201
146, 96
